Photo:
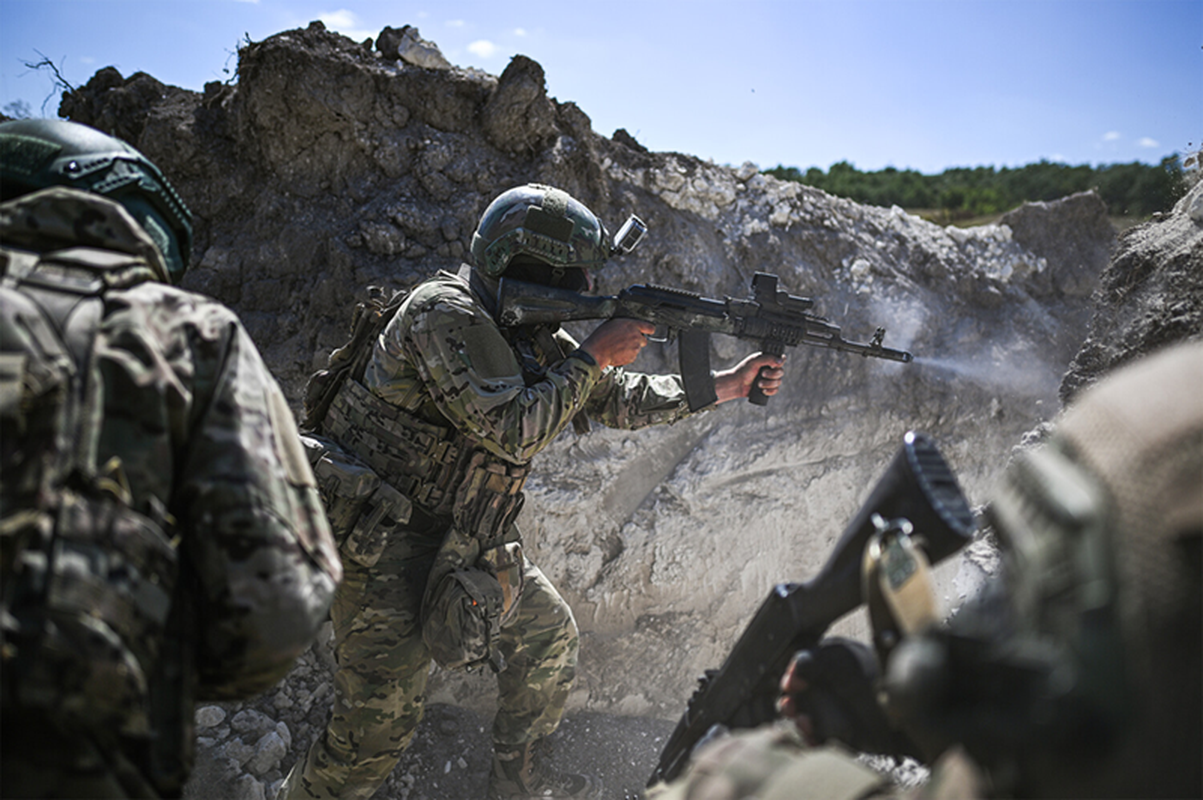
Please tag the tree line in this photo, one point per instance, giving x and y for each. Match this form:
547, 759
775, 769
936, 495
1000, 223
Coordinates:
964, 192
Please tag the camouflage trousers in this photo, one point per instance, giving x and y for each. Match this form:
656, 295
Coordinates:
380, 684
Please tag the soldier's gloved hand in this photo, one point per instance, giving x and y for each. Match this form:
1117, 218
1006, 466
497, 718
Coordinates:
830, 693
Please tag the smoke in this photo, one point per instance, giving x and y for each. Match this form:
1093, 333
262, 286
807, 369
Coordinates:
1026, 378
994, 366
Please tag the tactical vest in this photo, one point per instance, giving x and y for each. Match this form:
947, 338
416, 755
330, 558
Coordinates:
432, 466
89, 583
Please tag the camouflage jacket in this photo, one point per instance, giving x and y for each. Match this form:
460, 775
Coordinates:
443, 358
773, 762
200, 428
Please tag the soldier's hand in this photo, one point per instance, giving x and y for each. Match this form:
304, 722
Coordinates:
616, 342
735, 383
830, 694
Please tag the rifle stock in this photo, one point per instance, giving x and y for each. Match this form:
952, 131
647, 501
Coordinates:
918, 486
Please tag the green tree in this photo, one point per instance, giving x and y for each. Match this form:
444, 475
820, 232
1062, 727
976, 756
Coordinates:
960, 192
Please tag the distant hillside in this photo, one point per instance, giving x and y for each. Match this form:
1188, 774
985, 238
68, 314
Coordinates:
1129, 190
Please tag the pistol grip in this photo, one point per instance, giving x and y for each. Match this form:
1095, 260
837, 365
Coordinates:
757, 396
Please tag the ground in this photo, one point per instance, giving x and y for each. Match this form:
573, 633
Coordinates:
450, 756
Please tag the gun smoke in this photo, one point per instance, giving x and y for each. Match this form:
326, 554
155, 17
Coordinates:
1025, 379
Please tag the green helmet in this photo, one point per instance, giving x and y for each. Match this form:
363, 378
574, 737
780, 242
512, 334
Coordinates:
38, 153
548, 225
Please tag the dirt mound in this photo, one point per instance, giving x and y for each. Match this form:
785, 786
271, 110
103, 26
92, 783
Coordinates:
330, 166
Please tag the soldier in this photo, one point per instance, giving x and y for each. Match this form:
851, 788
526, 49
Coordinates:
449, 412
1078, 672
163, 539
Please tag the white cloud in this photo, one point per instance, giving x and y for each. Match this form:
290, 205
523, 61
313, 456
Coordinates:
1148, 141
520, 31
87, 59
340, 18
345, 22
252, 2
1112, 136
455, 23
482, 48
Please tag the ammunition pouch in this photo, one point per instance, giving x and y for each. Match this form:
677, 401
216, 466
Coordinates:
434, 466
465, 607
362, 509
489, 497
476, 580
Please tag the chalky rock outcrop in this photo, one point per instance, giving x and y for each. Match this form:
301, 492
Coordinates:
330, 166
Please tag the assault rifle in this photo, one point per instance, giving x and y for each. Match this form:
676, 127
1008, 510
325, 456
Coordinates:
773, 318
918, 487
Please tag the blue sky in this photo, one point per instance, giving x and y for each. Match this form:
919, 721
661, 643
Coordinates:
919, 84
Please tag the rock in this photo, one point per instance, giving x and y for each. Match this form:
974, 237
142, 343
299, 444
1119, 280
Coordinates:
518, 117
247, 788
1149, 296
210, 716
407, 44
237, 751
251, 723
284, 733
1074, 235
268, 752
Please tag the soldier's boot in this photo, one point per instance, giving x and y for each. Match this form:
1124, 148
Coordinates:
522, 771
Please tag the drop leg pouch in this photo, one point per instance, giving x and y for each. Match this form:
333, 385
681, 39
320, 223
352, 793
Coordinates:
469, 596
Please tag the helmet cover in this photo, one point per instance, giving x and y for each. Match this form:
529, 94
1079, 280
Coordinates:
539, 221
38, 153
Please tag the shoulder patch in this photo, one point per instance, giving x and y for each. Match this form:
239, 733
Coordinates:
490, 353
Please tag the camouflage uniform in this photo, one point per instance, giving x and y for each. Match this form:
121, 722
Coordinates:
500, 396
205, 443
774, 763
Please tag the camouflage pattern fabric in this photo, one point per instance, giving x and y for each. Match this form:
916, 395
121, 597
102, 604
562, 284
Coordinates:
774, 763
443, 360
200, 434
383, 665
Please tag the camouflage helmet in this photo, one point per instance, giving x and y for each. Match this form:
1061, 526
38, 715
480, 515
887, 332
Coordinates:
38, 153
1077, 671
549, 225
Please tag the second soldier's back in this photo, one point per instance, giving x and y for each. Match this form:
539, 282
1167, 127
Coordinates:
163, 537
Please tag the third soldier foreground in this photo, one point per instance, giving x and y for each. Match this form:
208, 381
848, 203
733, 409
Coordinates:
1077, 672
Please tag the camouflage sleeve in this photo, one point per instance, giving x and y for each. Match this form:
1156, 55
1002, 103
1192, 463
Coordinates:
633, 400
772, 761
253, 531
474, 378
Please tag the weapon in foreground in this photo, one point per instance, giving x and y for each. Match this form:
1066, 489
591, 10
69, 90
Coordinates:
918, 487
773, 318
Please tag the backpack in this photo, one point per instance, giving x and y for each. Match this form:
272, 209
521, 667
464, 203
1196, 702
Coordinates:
367, 323
89, 583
